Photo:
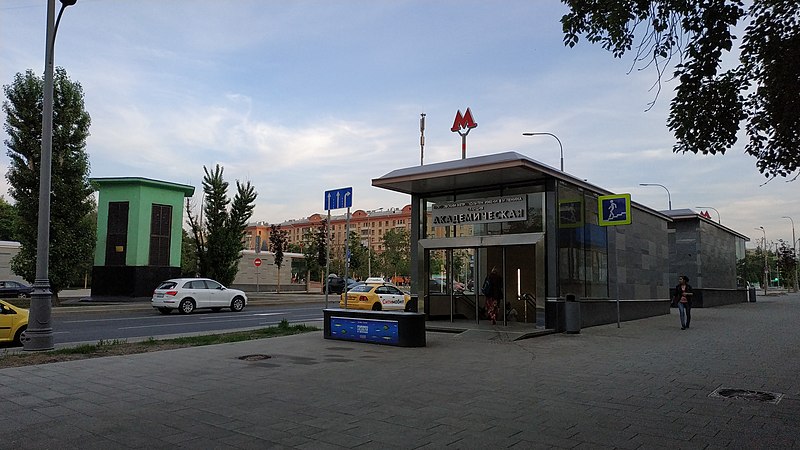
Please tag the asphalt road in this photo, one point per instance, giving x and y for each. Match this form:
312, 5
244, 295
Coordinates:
140, 321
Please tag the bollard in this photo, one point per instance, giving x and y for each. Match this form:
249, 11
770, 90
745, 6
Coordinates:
572, 314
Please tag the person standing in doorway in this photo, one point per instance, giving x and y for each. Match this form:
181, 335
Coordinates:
683, 297
493, 290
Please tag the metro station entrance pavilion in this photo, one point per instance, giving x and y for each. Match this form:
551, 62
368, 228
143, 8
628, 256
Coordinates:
539, 228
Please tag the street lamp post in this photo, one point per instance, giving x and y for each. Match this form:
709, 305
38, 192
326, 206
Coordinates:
39, 335
794, 251
766, 264
719, 219
561, 147
669, 197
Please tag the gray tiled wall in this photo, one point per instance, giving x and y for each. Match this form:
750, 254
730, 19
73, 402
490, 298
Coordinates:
639, 258
703, 252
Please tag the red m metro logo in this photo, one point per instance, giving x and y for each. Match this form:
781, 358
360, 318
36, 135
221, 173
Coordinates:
463, 122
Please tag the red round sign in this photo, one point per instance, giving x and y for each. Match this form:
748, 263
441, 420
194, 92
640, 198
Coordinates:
257, 262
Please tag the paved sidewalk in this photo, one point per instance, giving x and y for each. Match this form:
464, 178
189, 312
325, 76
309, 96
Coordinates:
644, 385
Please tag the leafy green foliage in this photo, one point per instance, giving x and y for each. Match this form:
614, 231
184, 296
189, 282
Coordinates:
72, 225
277, 242
358, 256
710, 103
321, 243
314, 251
397, 251
751, 267
188, 255
8, 221
787, 264
218, 240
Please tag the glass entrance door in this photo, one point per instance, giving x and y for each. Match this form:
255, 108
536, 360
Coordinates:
456, 276
525, 297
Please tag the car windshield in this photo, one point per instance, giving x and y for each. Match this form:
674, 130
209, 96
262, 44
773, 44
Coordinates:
166, 285
362, 288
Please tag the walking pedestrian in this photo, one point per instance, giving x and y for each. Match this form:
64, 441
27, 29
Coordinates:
683, 299
493, 290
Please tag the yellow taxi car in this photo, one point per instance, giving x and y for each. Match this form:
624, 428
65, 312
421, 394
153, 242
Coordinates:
13, 321
377, 295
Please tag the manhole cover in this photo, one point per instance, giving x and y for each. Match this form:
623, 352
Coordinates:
254, 357
744, 394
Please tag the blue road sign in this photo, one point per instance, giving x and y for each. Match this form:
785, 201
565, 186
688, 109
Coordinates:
339, 198
614, 209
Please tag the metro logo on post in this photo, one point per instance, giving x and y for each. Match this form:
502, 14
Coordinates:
463, 122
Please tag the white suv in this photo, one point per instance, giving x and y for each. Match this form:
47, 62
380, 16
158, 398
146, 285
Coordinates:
188, 294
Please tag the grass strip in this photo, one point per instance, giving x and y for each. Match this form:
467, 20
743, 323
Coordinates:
118, 347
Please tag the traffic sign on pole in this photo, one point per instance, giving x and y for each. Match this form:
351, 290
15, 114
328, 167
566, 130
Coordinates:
614, 209
339, 198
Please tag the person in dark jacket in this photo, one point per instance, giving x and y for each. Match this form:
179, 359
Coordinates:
493, 293
683, 298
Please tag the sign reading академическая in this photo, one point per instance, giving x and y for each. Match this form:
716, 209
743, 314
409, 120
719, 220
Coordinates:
500, 209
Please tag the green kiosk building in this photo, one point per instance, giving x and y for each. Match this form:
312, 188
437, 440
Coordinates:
138, 235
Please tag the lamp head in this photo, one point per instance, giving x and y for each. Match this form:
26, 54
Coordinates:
68, 2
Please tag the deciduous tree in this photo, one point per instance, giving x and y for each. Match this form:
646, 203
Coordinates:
712, 99
277, 242
8, 221
72, 230
396, 252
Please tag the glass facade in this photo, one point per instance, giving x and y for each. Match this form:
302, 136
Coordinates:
474, 239
534, 222
582, 244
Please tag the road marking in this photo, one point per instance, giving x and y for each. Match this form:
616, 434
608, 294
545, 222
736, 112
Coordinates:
175, 324
162, 317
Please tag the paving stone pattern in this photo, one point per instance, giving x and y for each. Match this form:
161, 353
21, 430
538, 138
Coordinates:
644, 385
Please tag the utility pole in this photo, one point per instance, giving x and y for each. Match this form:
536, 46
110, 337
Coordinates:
794, 252
421, 137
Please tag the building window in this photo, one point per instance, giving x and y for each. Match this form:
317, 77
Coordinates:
117, 233
160, 234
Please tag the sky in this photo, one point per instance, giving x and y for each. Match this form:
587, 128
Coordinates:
301, 97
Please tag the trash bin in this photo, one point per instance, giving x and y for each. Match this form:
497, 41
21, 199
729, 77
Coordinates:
572, 314
752, 294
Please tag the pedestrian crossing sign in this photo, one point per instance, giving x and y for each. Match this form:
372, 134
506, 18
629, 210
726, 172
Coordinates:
614, 209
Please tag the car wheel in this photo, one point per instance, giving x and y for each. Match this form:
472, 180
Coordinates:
18, 336
216, 309
376, 306
164, 310
186, 306
22, 295
237, 304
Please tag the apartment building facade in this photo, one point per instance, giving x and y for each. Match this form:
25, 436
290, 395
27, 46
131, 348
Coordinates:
369, 225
